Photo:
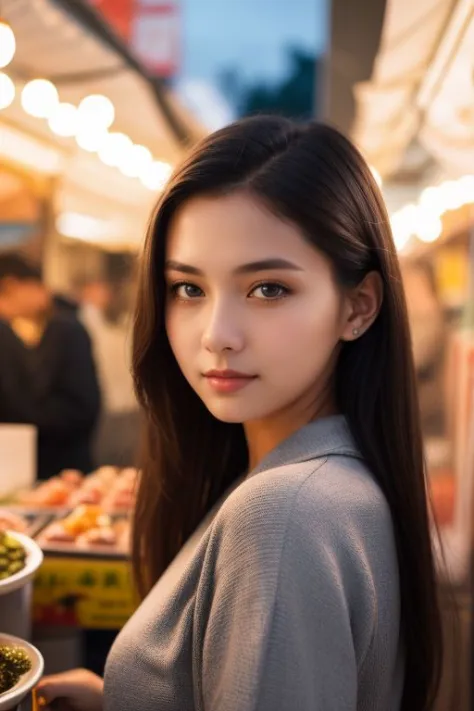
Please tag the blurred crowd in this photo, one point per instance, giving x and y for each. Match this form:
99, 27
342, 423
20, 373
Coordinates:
64, 368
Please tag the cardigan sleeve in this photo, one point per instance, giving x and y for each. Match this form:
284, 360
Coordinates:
279, 632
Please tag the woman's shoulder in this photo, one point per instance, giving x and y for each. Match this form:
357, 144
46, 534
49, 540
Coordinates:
308, 520
336, 492
313, 521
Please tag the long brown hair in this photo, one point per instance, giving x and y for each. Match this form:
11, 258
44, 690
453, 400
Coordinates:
313, 176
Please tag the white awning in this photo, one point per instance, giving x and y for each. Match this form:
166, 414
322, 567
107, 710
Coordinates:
56, 41
52, 44
422, 86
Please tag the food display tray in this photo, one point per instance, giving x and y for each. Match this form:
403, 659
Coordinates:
78, 551
36, 520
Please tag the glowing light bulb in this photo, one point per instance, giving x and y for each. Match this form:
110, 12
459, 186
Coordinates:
96, 110
449, 195
39, 98
428, 226
135, 161
156, 175
90, 139
7, 44
430, 200
466, 189
64, 121
115, 149
403, 224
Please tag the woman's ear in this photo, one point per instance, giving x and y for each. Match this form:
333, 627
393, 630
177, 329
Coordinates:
364, 302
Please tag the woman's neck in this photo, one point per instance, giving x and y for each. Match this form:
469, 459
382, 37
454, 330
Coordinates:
265, 435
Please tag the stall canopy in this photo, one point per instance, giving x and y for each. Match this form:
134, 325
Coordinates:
67, 42
421, 87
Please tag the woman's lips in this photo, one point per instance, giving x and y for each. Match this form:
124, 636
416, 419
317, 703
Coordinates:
228, 381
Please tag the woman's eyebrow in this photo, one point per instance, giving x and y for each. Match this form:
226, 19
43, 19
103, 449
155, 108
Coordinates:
261, 265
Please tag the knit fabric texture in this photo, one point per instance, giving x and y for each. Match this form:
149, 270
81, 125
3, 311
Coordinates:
285, 599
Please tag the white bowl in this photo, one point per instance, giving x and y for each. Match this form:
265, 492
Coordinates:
14, 696
34, 558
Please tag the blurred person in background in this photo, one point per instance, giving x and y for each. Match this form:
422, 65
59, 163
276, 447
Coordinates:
102, 313
94, 297
47, 371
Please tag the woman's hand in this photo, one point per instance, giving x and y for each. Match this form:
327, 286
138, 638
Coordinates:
76, 690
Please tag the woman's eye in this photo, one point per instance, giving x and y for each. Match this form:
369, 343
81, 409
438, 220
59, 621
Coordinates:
186, 290
269, 291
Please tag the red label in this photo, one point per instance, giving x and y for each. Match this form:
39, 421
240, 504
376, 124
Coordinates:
151, 28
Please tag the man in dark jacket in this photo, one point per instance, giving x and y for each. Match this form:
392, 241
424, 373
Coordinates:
47, 373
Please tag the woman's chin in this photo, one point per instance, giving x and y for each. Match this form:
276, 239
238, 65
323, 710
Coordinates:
230, 411
228, 414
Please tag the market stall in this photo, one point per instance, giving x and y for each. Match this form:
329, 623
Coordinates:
87, 141
82, 525
21, 664
79, 528
415, 124
90, 134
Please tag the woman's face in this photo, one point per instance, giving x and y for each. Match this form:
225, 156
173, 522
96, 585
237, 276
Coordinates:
246, 293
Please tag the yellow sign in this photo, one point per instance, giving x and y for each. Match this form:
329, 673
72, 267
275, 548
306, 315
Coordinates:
82, 592
452, 273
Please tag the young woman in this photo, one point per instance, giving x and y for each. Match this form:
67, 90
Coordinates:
282, 540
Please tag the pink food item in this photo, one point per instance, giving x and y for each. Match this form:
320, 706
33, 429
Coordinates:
105, 475
54, 495
129, 479
122, 495
12, 522
58, 534
53, 492
124, 499
104, 536
86, 495
127, 487
118, 501
72, 477
129, 474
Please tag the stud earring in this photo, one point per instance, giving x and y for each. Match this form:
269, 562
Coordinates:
355, 331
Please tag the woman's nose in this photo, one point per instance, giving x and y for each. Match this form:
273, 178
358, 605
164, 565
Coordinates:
222, 330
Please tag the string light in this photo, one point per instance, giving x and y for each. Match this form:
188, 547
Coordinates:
115, 148
96, 110
135, 161
429, 227
64, 121
88, 124
39, 98
7, 44
91, 139
423, 220
156, 175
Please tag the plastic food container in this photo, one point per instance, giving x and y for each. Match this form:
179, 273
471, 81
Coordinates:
34, 558
11, 699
